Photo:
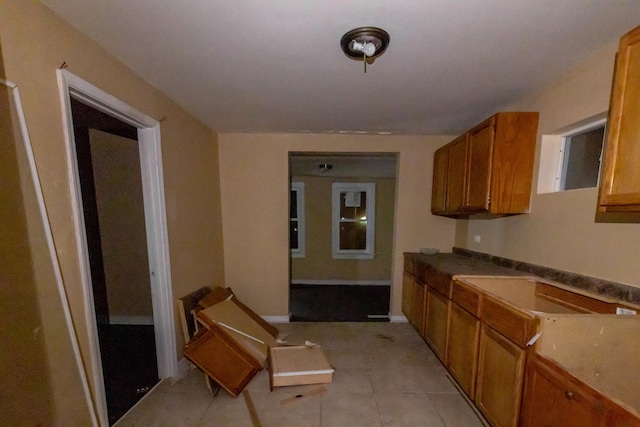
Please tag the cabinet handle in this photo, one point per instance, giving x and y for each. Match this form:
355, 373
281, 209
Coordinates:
568, 394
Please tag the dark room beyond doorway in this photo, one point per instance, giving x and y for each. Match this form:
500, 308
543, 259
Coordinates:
341, 220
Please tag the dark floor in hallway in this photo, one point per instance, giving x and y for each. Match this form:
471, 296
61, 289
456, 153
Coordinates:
129, 365
339, 303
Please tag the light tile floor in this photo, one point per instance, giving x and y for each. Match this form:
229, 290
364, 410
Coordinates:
385, 375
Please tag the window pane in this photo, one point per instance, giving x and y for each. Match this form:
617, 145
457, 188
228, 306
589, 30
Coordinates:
353, 235
293, 235
582, 159
353, 204
293, 206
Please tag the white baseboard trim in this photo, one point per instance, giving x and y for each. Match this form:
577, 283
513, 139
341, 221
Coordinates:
341, 282
131, 320
399, 319
276, 319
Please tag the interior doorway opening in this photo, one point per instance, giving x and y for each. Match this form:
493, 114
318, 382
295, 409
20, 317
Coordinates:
341, 221
158, 262
108, 159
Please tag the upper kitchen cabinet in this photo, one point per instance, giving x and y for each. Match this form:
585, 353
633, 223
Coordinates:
439, 192
489, 169
620, 181
456, 181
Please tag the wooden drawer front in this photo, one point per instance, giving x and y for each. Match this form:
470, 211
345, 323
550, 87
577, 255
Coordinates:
438, 281
409, 264
462, 348
500, 378
223, 359
517, 325
467, 297
553, 398
575, 301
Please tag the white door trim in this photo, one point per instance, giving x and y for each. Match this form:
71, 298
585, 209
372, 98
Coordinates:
155, 217
35, 177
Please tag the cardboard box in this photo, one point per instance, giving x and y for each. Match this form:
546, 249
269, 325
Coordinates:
298, 365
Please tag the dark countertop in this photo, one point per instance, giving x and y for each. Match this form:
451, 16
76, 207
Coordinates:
464, 262
460, 265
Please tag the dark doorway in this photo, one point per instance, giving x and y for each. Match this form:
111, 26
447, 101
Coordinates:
108, 159
341, 222
339, 303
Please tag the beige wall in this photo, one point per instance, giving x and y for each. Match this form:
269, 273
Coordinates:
35, 43
318, 263
23, 360
560, 231
254, 185
123, 239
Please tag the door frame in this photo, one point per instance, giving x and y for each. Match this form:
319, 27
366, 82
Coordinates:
72, 86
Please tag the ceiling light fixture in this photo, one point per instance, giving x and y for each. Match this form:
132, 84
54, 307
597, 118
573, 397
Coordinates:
325, 167
365, 44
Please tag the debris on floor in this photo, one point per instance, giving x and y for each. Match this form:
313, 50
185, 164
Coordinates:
231, 344
320, 391
298, 365
255, 419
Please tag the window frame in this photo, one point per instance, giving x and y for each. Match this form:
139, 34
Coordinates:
369, 251
552, 149
298, 188
565, 151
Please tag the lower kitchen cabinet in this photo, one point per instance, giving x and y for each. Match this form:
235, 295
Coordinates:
462, 348
407, 296
552, 398
413, 300
483, 328
436, 326
419, 295
555, 398
500, 376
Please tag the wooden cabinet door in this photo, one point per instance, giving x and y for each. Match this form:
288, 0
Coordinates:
620, 183
419, 300
456, 174
500, 378
407, 296
437, 323
439, 189
479, 166
462, 348
553, 398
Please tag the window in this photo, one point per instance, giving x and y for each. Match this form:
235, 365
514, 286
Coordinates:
570, 158
353, 220
296, 220
582, 153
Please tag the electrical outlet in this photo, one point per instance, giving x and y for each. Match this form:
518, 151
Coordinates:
621, 310
477, 238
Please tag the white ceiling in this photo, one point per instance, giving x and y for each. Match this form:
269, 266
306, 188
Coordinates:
276, 65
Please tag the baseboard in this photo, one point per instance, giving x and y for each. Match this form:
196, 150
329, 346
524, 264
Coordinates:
341, 282
399, 319
131, 320
276, 319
